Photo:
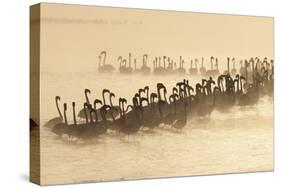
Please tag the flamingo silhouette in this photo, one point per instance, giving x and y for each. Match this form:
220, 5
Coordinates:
61, 128
104, 67
55, 120
81, 113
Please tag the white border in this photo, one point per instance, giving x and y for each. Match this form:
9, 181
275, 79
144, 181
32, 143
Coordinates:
14, 73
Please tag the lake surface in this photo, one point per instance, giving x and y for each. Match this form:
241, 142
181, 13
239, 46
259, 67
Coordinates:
240, 140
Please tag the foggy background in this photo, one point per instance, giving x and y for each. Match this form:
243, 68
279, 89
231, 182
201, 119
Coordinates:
73, 36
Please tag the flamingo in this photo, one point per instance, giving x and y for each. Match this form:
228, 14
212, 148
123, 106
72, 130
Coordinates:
81, 113
144, 68
61, 128
202, 68
55, 120
104, 67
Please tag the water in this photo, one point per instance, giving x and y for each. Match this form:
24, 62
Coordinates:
240, 140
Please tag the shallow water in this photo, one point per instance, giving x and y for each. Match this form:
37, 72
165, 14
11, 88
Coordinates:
240, 140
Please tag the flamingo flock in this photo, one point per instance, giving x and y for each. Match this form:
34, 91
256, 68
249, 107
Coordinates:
165, 65
148, 110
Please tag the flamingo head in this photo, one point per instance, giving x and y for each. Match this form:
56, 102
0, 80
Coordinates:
135, 101
112, 95
203, 81
153, 95
175, 90
97, 101
85, 105
124, 101
211, 81
137, 95
103, 52
87, 90
90, 106
179, 84
159, 86
141, 91
105, 91
198, 86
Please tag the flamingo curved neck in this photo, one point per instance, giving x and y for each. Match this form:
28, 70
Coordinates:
110, 100
147, 96
86, 115
123, 108
159, 94
65, 118
103, 98
74, 116
87, 98
57, 105
91, 117
120, 108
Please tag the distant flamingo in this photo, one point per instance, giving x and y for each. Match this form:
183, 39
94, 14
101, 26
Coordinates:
202, 68
104, 67
144, 68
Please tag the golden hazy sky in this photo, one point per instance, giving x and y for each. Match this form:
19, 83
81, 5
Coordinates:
72, 36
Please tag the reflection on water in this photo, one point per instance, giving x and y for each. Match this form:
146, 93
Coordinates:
240, 140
